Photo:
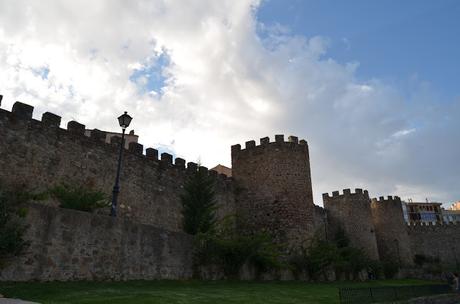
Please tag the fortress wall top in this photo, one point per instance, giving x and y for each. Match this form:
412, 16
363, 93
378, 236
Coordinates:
390, 226
352, 212
263, 142
39, 154
276, 192
389, 199
347, 192
425, 227
24, 112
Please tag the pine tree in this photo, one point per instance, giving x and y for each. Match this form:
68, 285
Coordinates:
199, 204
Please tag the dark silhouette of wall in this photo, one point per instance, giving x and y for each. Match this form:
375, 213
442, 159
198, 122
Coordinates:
390, 227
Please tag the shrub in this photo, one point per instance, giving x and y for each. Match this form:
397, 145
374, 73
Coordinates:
322, 256
420, 259
375, 269
390, 268
355, 258
12, 228
298, 261
229, 249
198, 204
78, 198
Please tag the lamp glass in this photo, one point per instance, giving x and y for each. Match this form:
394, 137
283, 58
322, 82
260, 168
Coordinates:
124, 120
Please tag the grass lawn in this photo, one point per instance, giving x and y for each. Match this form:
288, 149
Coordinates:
175, 292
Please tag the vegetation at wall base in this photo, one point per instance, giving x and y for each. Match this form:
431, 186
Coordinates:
390, 268
433, 266
220, 243
229, 249
78, 198
12, 227
323, 256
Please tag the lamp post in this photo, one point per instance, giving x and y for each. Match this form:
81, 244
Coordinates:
124, 121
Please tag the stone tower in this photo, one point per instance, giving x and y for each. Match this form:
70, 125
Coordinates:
391, 230
274, 188
352, 213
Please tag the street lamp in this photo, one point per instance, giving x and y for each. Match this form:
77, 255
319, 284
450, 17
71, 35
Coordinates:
124, 121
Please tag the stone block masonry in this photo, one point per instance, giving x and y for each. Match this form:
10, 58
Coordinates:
274, 188
392, 238
75, 245
352, 213
39, 154
436, 241
271, 190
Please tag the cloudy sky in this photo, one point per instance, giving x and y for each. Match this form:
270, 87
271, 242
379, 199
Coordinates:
373, 86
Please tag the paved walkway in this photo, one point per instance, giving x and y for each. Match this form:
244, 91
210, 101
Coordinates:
14, 301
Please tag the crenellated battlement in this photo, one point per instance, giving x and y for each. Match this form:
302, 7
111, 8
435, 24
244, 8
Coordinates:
347, 192
389, 199
23, 113
265, 141
422, 226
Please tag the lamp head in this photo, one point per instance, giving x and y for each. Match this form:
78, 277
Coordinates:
124, 120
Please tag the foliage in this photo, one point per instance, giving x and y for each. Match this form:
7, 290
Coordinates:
78, 198
376, 269
320, 257
199, 204
221, 244
420, 260
431, 264
12, 228
337, 255
390, 268
226, 247
351, 261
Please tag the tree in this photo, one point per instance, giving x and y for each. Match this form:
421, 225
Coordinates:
199, 203
12, 227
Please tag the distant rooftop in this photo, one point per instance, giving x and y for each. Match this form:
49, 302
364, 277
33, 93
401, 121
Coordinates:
223, 170
129, 138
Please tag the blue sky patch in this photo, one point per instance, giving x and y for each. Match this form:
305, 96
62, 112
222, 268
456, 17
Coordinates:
43, 72
151, 77
392, 40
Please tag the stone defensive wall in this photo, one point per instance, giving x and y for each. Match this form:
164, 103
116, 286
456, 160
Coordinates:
352, 213
390, 227
321, 224
37, 154
274, 190
74, 245
436, 241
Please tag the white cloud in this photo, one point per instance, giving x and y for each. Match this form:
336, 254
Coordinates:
404, 132
229, 79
